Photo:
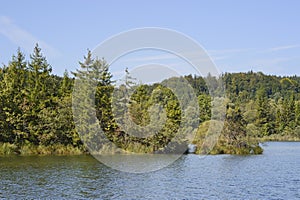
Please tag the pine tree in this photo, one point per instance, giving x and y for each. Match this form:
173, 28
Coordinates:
234, 129
93, 90
13, 94
204, 107
265, 120
39, 94
66, 85
39, 70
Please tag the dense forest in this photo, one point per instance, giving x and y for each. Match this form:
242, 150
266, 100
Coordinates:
36, 115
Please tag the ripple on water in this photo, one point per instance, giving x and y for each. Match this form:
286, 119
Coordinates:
273, 175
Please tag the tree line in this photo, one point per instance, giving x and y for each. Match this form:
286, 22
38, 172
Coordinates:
36, 109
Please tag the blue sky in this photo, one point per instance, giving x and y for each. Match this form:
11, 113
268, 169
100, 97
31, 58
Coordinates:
238, 35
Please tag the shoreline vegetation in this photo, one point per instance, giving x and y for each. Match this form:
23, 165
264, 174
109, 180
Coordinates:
36, 116
7, 149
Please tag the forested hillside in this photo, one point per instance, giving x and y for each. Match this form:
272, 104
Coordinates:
36, 109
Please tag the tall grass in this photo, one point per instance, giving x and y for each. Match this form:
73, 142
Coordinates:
29, 149
8, 149
281, 138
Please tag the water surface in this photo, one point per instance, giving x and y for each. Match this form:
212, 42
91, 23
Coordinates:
273, 175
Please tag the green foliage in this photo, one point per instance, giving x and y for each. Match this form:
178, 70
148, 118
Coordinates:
36, 115
35, 105
204, 107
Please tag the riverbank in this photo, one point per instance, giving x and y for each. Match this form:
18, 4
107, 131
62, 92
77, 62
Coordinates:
279, 138
55, 149
59, 149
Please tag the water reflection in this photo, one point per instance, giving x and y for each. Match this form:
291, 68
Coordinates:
138, 163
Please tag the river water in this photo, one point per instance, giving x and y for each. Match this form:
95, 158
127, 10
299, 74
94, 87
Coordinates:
273, 175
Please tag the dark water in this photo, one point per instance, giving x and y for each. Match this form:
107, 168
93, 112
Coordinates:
273, 175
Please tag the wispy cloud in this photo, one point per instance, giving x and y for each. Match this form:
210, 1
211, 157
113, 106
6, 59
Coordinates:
283, 48
231, 52
23, 38
225, 54
271, 62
